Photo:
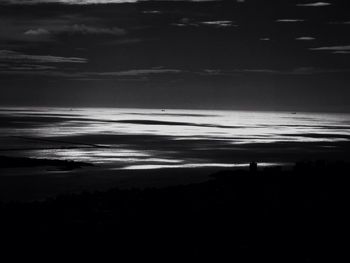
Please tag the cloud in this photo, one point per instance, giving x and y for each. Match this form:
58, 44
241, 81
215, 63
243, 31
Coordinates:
37, 32
29, 67
14, 56
152, 12
27, 30
289, 20
124, 75
341, 52
19, 29
214, 23
340, 23
144, 74
138, 72
88, 2
305, 38
37, 35
84, 29
218, 23
70, 2
41, 73
334, 49
76, 29
295, 71
125, 41
315, 4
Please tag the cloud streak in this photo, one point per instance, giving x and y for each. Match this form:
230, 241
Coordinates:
77, 29
144, 74
70, 2
218, 23
315, 4
334, 49
289, 20
14, 56
295, 71
84, 29
305, 38
88, 2
214, 23
136, 72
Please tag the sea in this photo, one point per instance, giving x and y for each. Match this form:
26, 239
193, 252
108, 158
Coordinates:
142, 139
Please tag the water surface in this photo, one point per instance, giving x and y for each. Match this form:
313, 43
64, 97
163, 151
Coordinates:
118, 139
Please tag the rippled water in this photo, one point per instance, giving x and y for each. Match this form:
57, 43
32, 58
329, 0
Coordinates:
149, 139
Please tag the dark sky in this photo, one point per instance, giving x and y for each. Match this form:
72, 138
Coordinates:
252, 54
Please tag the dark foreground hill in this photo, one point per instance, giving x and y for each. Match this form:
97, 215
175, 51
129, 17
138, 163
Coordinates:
20, 162
272, 215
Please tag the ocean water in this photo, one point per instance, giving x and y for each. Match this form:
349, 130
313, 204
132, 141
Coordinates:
131, 139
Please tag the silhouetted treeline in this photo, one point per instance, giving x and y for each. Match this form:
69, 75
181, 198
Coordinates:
271, 214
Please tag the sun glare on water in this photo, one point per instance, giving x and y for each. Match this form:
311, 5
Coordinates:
156, 139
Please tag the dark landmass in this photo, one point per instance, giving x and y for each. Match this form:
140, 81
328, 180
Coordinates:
272, 215
20, 162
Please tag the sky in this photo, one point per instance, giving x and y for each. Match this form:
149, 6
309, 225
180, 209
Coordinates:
193, 54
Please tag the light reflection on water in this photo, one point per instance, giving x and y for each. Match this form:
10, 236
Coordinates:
152, 139
195, 165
